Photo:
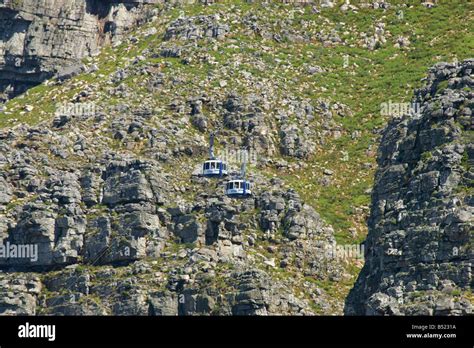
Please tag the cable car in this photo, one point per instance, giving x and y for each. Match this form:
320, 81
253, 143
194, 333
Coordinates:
239, 187
213, 166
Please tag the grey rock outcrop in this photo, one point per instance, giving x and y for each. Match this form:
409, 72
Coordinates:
194, 28
419, 246
39, 42
18, 294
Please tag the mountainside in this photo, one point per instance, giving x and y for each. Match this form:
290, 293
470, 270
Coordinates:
420, 229
101, 166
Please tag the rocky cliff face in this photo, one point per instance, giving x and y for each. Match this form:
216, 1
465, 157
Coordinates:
132, 228
101, 172
113, 241
419, 247
39, 41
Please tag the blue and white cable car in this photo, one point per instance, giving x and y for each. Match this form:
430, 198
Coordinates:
213, 166
239, 187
